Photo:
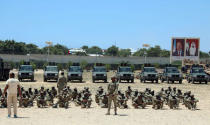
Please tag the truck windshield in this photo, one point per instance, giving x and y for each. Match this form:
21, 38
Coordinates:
197, 70
149, 70
126, 69
172, 70
74, 69
99, 69
51, 69
26, 68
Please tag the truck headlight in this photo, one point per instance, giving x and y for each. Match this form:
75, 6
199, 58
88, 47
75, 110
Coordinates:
45, 74
132, 75
94, 74
30, 73
79, 74
56, 74
19, 73
104, 74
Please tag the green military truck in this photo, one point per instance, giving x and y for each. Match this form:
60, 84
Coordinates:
4, 70
99, 72
197, 74
75, 73
51, 73
26, 71
171, 74
149, 73
125, 73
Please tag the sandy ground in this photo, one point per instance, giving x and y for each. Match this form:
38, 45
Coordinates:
96, 115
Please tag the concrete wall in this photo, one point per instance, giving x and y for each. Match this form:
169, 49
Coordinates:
104, 59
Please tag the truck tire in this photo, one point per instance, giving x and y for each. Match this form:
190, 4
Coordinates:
32, 79
180, 81
132, 81
80, 80
156, 81
45, 80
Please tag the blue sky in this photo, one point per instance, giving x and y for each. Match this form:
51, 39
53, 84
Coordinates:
128, 23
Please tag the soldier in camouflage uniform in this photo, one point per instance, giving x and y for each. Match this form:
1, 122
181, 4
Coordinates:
3, 101
99, 93
122, 101
173, 102
112, 95
86, 100
157, 102
25, 101
63, 99
75, 94
41, 100
139, 101
190, 102
62, 82
103, 100
128, 92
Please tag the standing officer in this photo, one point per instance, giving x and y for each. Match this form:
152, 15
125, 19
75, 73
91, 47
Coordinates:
112, 95
62, 82
12, 85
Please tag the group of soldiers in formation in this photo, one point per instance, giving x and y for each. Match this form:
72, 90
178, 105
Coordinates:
172, 97
50, 97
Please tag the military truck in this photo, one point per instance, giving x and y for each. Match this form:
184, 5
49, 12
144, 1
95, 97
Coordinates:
99, 72
4, 70
26, 71
171, 74
75, 73
197, 74
51, 73
149, 73
124, 72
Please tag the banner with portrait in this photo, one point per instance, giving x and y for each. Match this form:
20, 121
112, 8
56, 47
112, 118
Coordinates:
178, 49
192, 49
185, 49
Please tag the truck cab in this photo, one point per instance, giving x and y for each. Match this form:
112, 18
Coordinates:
99, 73
26, 72
197, 74
125, 73
51, 73
149, 74
171, 74
74, 73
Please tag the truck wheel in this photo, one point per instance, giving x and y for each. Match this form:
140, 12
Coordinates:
180, 81
144, 81
156, 81
132, 81
45, 80
152, 81
80, 80
172, 81
105, 81
93, 81
206, 82
168, 80
32, 79
193, 81
162, 80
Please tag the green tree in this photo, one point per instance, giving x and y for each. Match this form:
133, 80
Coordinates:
94, 50
124, 52
154, 51
204, 55
140, 52
85, 48
112, 51
108, 67
165, 53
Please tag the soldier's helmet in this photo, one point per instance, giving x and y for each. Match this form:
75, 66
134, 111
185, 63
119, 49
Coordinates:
174, 88
42, 88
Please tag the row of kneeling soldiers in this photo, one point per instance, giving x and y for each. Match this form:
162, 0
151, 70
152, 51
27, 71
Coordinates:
171, 97
51, 98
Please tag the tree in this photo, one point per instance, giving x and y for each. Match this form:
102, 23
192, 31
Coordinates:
154, 51
32, 49
124, 52
85, 48
94, 50
165, 53
112, 51
204, 55
140, 52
